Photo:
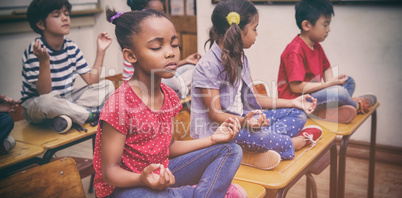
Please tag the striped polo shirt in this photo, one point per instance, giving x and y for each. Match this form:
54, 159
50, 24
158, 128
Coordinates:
65, 64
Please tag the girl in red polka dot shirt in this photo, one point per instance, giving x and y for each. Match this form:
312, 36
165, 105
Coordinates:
135, 155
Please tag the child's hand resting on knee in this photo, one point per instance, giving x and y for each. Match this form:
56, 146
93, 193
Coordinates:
227, 131
302, 103
255, 120
155, 181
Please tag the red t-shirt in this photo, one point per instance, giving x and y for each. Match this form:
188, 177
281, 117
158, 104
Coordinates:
300, 63
148, 133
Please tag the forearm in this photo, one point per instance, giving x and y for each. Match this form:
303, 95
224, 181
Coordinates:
219, 117
309, 87
118, 177
178, 148
273, 103
181, 62
44, 83
96, 68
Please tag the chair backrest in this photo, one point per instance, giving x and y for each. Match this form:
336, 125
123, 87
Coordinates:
56, 179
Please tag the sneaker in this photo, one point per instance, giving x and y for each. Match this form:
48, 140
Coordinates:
95, 111
235, 191
265, 161
311, 134
94, 120
365, 102
61, 124
7, 145
343, 114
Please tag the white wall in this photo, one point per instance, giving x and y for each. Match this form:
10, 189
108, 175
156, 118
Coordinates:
365, 42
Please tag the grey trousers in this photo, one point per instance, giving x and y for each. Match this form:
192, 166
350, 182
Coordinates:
74, 105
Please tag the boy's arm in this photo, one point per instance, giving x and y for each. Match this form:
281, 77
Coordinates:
302, 87
93, 76
44, 83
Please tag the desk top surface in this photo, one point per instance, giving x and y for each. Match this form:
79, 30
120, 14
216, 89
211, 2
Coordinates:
344, 129
20, 153
45, 137
283, 174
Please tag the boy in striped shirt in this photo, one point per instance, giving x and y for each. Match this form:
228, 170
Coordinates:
50, 66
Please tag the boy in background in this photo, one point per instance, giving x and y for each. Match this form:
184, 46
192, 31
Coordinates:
50, 66
304, 65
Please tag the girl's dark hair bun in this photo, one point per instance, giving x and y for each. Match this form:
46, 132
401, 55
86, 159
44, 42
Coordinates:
109, 14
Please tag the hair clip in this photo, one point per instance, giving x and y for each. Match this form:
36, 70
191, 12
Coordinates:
233, 17
116, 16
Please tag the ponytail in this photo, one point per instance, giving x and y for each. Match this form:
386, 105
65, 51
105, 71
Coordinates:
229, 19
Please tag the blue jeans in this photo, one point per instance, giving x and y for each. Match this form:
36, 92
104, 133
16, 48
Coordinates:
211, 169
335, 96
6, 125
284, 124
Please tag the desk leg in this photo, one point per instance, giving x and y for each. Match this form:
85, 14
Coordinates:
333, 172
342, 166
271, 193
370, 192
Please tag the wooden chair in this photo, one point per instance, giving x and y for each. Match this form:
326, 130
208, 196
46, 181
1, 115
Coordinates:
56, 179
25, 134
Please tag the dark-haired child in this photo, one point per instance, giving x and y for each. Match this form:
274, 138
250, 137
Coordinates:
304, 66
50, 66
180, 83
222, 88
135, 153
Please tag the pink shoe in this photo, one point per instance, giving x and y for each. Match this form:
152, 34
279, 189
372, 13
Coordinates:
311, 134
235, 191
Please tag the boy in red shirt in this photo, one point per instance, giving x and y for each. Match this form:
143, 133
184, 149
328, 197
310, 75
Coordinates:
304, 68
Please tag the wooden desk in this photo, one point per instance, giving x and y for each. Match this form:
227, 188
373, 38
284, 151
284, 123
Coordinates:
346, 130
23, 154
51, 141
279, 180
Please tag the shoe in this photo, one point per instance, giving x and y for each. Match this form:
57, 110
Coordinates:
61, 124
265, 161
7, 145
235, 191
94, 120
95, 111
365, 102
311, 134
343, 114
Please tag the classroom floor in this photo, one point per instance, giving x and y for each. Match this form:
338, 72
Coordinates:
388, 177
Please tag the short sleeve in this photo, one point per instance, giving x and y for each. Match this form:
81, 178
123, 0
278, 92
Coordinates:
207, 75
325, 62
294, 66
80, 62
115, 114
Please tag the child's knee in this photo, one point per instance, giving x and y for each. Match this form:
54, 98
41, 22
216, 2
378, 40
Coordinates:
235, 150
